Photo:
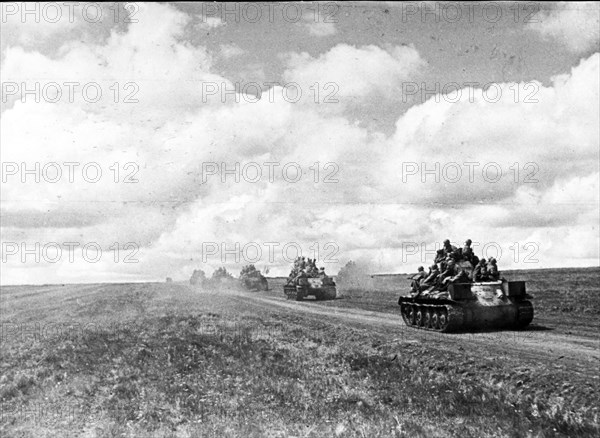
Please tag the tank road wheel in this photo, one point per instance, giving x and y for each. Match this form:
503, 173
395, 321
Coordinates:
406, 314
427, 318
420, 317
411, 314
443, 319
299, 294
435, 319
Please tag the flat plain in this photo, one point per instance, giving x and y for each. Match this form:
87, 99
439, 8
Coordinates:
171, 360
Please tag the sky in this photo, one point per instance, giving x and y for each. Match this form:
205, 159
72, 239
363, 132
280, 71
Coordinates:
142, 141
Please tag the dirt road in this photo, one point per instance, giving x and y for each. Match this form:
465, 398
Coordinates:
579, 353
371, 367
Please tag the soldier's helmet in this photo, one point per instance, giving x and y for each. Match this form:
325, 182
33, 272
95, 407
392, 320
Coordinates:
468, 242
482, 261
434, 267
446, 242
421, 268
492, 260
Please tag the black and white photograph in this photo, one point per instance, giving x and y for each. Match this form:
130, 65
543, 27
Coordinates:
300, 219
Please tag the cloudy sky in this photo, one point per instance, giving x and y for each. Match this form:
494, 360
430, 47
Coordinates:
365, 131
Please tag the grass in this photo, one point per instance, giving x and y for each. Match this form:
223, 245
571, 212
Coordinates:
169, 362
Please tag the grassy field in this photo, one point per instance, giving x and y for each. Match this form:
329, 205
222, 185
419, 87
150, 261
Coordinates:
165, 360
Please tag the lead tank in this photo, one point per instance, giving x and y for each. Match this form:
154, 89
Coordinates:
483, 305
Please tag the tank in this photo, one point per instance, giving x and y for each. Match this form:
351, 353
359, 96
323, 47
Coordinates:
257, 282
252, 279
470, 306
322, 288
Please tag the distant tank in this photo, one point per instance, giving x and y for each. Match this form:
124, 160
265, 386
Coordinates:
322, 288
252, 279
484, 305
255, 283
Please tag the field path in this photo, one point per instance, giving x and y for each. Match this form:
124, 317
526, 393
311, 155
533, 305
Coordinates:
579, 353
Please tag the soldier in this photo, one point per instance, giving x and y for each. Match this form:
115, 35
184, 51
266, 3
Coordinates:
481, 272
300, 275
431, 279
466, 251
302, 263
416, 279
448, 249
439, 256
460, 276
493, 272
449, 271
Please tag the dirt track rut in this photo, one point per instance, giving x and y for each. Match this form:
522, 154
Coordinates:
579, 353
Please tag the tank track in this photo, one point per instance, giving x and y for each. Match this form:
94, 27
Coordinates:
326, 295
448, 317
525, 314
433, 317
291, 293
298, 294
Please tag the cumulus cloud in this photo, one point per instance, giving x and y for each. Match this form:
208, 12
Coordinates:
357, 204
44, 25
375, 214
356, 72
208, 23
575, 24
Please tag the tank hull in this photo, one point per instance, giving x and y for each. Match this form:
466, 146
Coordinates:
493, 305
310, 287
255, 283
